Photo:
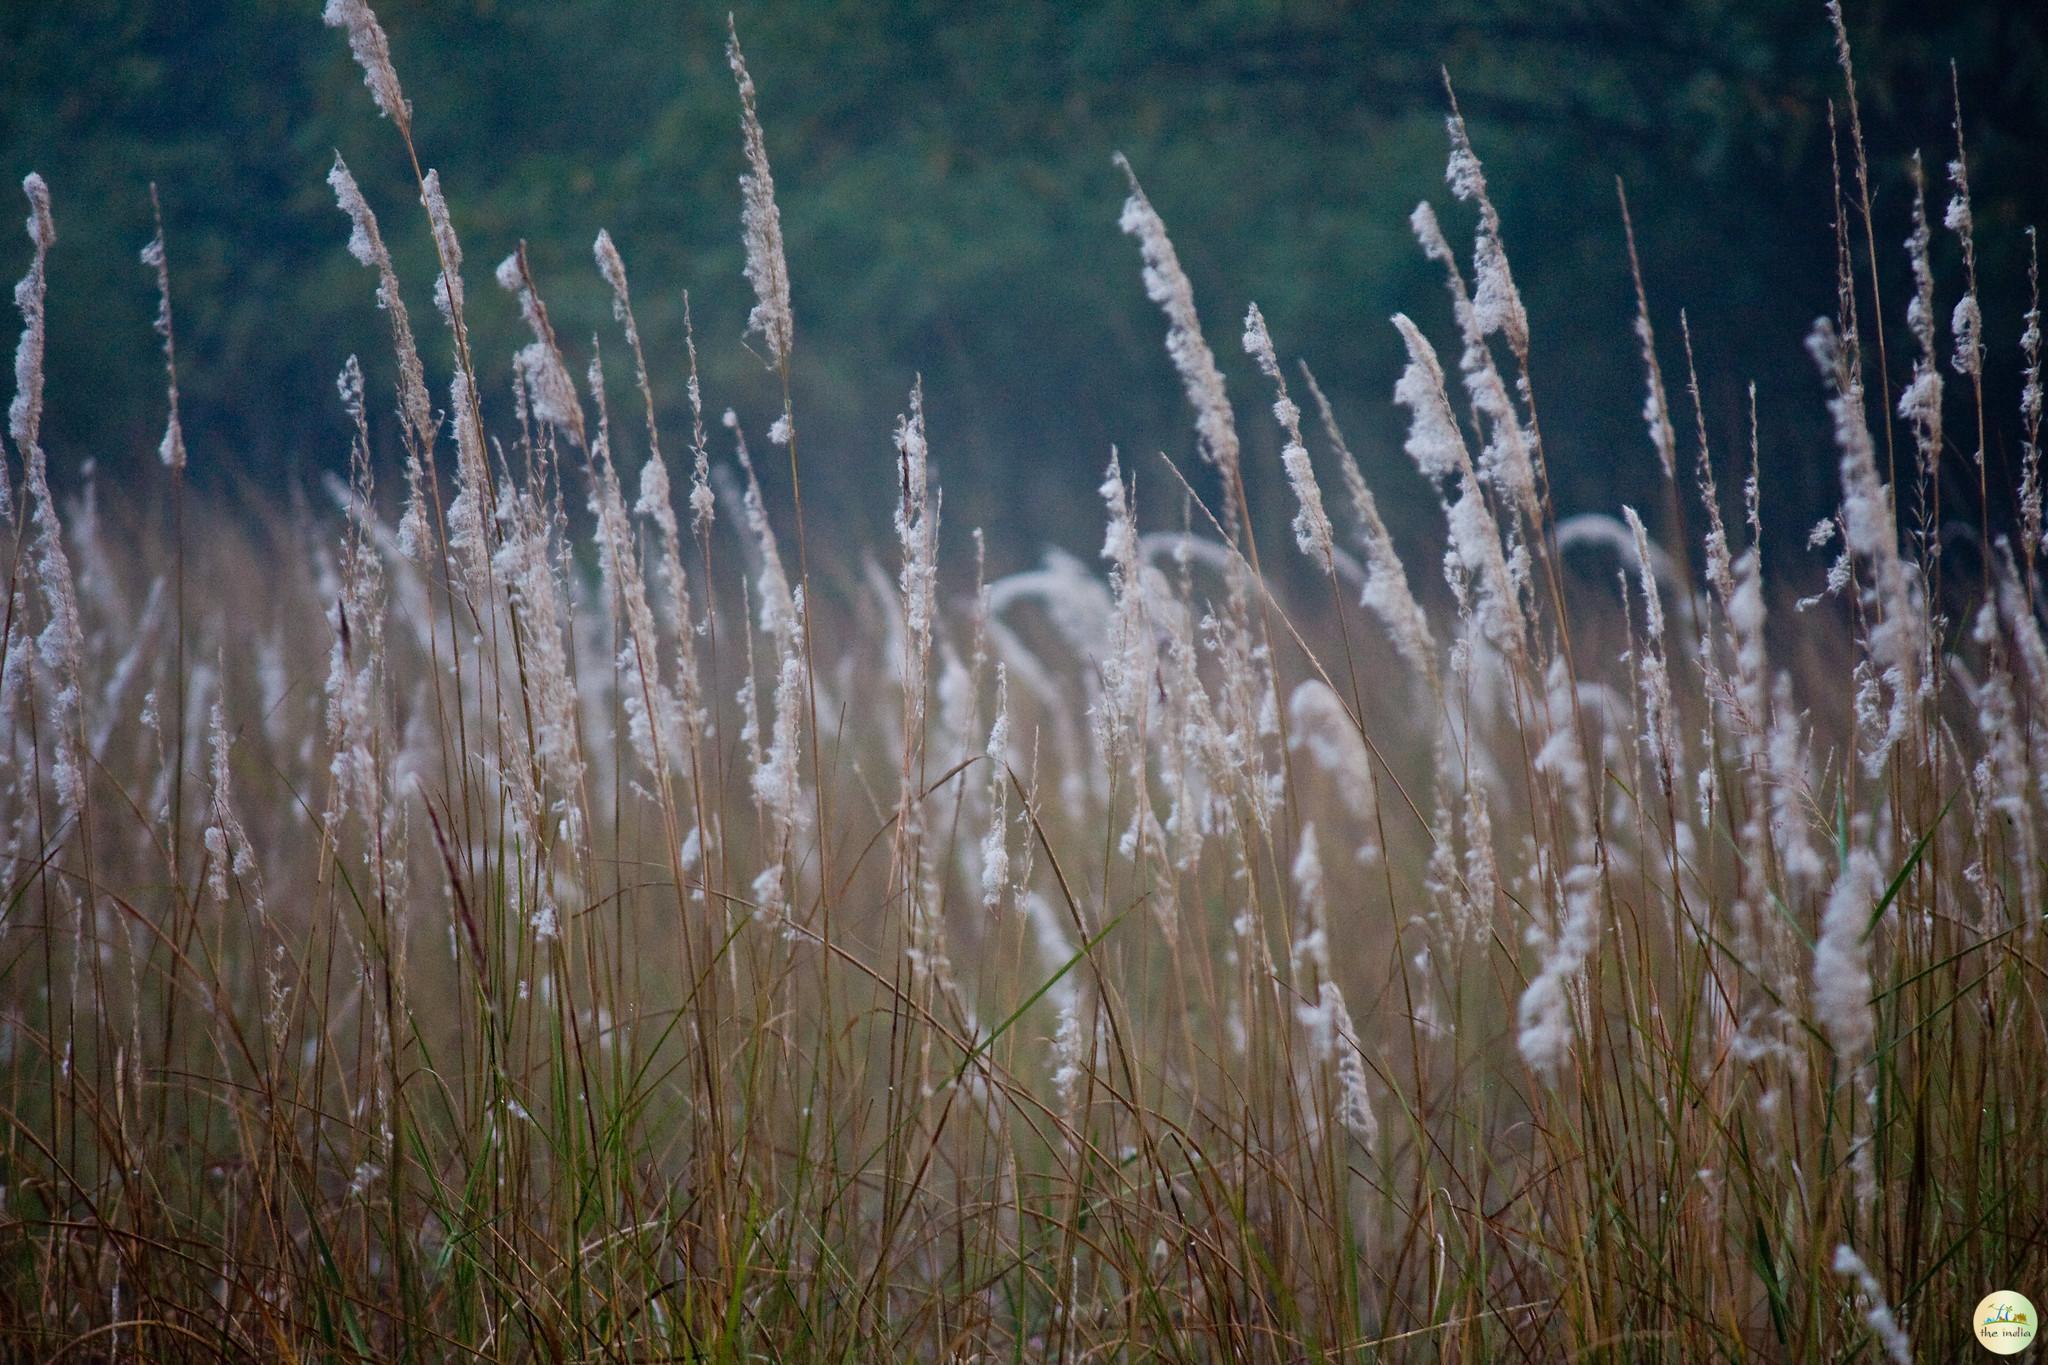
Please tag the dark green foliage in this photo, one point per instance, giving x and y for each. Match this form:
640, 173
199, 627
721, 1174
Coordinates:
951, 208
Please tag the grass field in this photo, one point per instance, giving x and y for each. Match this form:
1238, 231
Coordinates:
515, 910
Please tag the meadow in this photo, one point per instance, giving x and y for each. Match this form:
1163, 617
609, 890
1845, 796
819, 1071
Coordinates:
507, 907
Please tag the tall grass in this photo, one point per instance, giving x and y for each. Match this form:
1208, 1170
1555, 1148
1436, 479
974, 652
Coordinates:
530, 915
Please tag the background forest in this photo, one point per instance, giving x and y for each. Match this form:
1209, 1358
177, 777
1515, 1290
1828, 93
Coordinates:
951, 208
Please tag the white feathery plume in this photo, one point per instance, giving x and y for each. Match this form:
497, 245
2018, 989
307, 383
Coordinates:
1127, 661
1248, 706
524, 567
685, 705
1510, 458
613, 267
1354, 1100
1311, 523
172, 449
654, 503
1746, 612
1076, 603
366, 244
957, 691
1920, 400
1438, 449
1791, 790
1248, 695
777, 781
1196, 765
703, 502
229, 852
1968, 320
1387, 593
1660, 714
25, 412
653, 717
761, 220
1481, 890
61, 643
917, 518
468, 514
1544, 1014
540, 363
1434, 441
1309, 955
2030, 407
995, 846
372, 51
1884, 1324
1331, 1031
1320, 723
1167, 285
1841, 959
355, 660
1656, 406
1496, 303
1069, 1054
1561, 758
778, 614
1898, 635
15, 670
1075, 1047
1743, 699
2001, 772
448, 296
747, 698
1720, 562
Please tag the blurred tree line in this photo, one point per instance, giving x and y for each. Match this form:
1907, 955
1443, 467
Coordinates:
950, 207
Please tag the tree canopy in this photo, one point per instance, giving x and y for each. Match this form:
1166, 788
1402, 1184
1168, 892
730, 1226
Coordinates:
951, 209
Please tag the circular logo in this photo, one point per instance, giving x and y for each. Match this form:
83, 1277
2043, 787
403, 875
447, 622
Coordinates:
2004, 1322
